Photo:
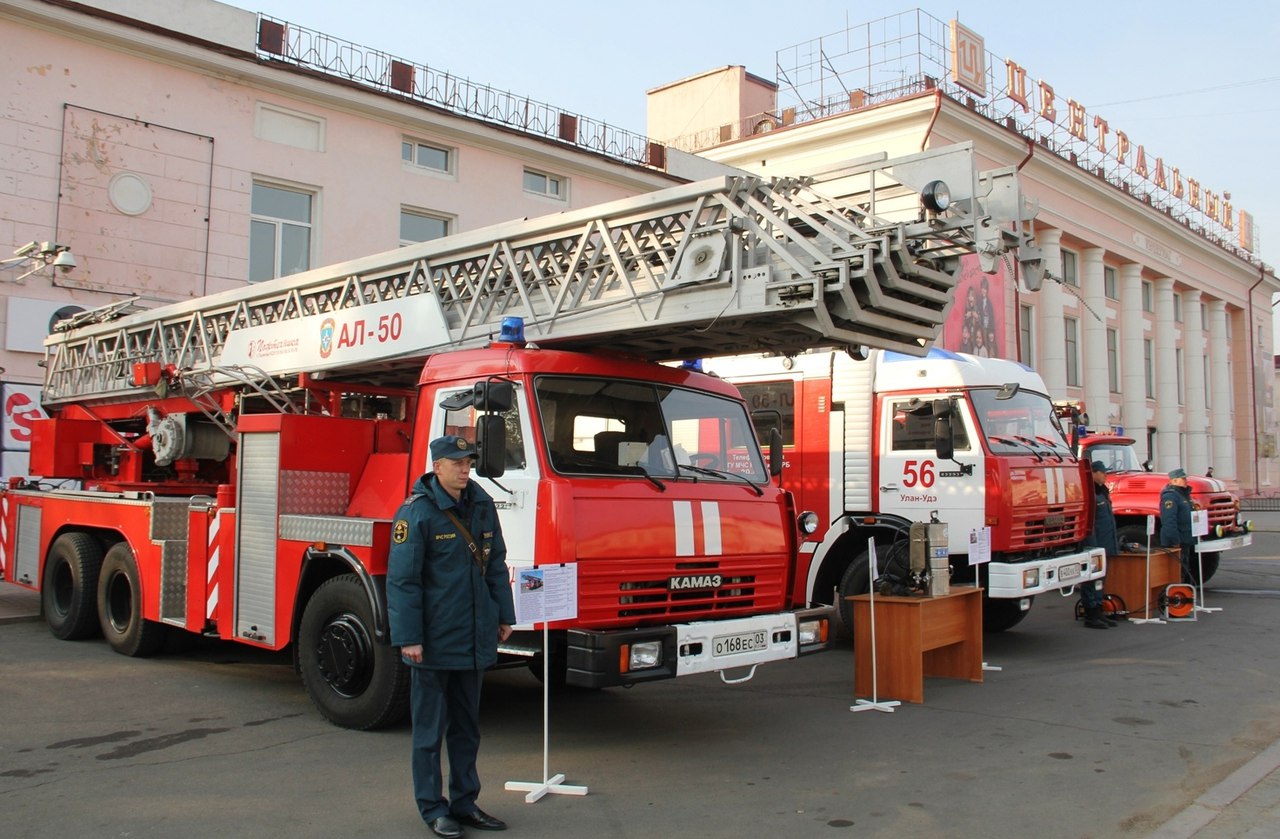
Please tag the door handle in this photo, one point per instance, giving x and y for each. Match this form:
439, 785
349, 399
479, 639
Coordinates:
888, 487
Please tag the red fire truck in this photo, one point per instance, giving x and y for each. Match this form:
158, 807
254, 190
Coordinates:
239, 457
1135, 494
877, 442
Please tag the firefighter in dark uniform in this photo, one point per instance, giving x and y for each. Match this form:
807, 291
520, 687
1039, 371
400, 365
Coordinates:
1175, 519
449, 602
1103, 536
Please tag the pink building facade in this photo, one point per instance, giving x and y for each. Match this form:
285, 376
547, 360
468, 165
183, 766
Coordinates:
1156, 316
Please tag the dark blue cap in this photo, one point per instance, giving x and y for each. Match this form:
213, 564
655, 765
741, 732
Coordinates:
453, 447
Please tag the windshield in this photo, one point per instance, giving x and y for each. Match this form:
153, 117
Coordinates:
1116, 457
612, 427
1024, 421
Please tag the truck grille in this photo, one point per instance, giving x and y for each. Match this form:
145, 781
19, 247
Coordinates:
1221, 507
612, 594
1034, 529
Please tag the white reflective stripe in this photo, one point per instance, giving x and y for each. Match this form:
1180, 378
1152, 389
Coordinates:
1055, 486
711, 528
211, 596
4, 533
684, 527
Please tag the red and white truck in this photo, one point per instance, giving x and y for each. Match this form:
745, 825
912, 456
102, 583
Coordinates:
1135, 494
240, 456
877, 442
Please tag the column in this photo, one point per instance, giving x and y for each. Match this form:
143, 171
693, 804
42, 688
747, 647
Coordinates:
1168, 412
1193, 354
1051, 360
1224, 446
1093, 336
1133, 374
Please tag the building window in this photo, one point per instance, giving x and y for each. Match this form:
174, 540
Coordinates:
1070, 273
1148, 364
1148, 304
1113, 360
419, 226
1071, 327
1110, 283
426, 156
1204, 319
1026, 344
279, 232
1177, 307
540, 183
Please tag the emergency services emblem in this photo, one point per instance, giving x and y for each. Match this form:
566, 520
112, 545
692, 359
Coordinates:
326, 339
400, 531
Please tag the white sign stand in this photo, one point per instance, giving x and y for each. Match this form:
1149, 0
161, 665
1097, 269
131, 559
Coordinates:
544, 594
873, 704
980, 554
1200, 528
1146, 606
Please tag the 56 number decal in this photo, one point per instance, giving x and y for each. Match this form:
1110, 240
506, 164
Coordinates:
919, 473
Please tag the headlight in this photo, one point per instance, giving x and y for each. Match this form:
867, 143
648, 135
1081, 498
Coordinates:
1219, 531
807, 522
644, 655
1031, 578
813, 632
1095, 563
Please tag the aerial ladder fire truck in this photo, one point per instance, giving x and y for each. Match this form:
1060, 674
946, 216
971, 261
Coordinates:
237, 458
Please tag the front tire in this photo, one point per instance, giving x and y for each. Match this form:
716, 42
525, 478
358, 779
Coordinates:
69, 590
1208, 564
1000, 614
120, 606
353, 679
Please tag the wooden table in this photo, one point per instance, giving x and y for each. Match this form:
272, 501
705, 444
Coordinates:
1127, 579
917, 637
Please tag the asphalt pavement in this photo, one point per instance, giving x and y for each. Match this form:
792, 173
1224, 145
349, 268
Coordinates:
1244, 805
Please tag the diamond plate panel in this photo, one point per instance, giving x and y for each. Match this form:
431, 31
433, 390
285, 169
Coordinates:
336, 529
169, 518
314, 493
26, 560
173, 577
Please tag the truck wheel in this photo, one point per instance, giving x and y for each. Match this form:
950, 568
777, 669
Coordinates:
999, 614
1208, 564
353, 679
1136, 534
69, 589
120, 606
854, 581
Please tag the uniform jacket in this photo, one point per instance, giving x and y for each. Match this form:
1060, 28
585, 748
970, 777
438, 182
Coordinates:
1175, 516
1104, 522
437, 595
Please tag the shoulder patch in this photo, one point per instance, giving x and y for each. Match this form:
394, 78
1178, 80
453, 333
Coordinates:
400, 531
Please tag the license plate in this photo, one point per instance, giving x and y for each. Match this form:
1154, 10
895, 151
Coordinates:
743, 642
1069, 572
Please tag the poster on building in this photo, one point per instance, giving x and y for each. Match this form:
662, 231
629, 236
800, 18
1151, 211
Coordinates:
976, 323
546, 593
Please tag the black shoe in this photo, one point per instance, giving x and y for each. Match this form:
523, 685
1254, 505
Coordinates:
445, 827
480, 820
1095, 623
1108, 620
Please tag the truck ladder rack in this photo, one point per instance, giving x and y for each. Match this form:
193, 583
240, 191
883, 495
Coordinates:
729, 265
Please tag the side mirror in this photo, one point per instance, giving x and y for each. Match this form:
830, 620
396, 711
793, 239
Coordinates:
775, 452
491, 444
496, 396
943, 446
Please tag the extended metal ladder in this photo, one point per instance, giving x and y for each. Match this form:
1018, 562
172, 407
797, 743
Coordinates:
728, 265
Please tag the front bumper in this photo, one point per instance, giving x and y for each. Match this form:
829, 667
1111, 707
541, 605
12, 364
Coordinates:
598, 659
1226, 543
1038, 576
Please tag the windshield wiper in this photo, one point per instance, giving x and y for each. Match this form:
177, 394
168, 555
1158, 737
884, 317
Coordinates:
716, 473
1018, 441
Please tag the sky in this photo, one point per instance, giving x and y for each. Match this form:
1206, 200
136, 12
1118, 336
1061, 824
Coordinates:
1195, 83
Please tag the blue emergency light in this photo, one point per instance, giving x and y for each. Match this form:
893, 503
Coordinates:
512, 330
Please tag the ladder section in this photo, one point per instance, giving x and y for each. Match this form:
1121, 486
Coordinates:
729, 265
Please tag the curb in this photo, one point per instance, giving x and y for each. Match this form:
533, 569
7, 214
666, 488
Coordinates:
1202, 812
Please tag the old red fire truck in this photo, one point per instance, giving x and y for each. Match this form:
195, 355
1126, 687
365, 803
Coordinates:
239, 456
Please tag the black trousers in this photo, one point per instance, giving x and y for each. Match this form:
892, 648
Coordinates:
445, 706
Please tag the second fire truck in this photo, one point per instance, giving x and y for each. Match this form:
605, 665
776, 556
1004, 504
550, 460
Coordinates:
877, 442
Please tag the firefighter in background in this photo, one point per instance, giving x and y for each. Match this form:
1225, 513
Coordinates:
1175, 519
449, 601
1103, 536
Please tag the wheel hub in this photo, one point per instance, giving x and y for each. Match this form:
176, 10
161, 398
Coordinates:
345, 655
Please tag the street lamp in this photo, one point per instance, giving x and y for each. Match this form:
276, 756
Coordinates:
35, 257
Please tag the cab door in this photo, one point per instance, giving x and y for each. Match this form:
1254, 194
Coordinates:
913, 482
